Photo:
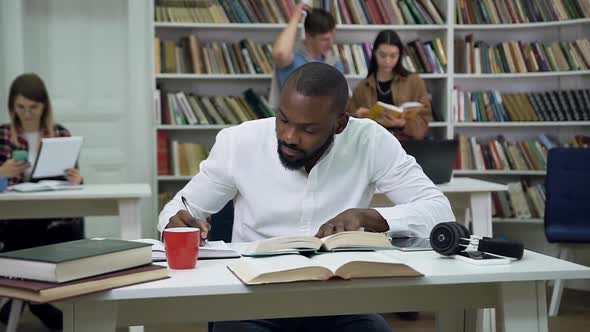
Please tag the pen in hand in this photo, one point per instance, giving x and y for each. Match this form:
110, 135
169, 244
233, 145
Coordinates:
185, 203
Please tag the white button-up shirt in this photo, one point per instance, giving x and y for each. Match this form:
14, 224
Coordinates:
270, 200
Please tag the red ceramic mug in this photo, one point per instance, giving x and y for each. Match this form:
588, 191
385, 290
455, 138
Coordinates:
182, 247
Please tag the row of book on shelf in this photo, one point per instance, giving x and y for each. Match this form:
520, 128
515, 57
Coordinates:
519, 11
271, 11
178, 158
500, 154
188, 109
476, 57
522, 200
190, 55
495, 106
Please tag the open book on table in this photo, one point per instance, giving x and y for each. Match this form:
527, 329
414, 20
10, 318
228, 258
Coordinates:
44, 185
344, 241
211, 250
407, 110
344, 264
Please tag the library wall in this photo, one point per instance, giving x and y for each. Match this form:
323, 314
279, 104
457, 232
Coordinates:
83, 51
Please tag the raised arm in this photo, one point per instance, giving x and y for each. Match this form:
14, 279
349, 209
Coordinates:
282, 49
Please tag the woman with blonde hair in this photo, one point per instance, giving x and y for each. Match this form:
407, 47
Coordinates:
31, 119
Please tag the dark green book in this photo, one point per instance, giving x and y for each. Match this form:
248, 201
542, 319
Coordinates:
74, 260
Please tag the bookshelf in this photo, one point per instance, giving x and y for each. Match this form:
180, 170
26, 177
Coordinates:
439, 85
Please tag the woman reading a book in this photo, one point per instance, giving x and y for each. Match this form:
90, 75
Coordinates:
31, 118
390, 83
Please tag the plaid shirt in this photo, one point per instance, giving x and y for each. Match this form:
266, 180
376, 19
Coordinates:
7, 146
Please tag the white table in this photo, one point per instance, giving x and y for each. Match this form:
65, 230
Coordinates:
93, 200
477, 193
211, 292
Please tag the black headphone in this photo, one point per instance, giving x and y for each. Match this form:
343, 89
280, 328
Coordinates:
450, 238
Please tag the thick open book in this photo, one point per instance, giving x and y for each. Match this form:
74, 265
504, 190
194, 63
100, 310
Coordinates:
406, 110
344, 241
211, 250
44, 185
344, 264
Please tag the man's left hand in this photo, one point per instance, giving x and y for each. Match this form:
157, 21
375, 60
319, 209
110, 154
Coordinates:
352, 220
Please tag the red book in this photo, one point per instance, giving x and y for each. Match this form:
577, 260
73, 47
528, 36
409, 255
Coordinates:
344, 12
374, 9
163, 153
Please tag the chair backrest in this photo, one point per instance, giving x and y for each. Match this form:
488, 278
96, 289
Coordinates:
567, 186
222, 224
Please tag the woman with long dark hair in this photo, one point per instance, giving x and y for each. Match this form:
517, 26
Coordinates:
389, 82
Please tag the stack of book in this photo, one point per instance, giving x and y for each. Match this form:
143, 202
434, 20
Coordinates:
179, 159
519, 11
271, 11
477, 57
69, 269
489, 106
521, 201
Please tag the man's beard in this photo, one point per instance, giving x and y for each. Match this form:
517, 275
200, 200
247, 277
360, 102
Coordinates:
293, 164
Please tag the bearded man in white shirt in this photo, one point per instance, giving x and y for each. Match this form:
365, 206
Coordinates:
311, 170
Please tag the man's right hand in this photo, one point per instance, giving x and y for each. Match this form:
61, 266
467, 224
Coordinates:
183, 219
298, 12
13, 168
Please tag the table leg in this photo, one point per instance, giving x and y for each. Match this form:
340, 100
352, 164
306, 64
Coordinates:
14, 317
481, 216
522, 306
90, 316
130, 214
450, 320
481, 213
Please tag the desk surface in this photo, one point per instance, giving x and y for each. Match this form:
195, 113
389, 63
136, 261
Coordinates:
211, 277
463, 185
89, 191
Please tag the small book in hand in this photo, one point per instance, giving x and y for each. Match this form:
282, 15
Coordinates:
344, 264
343, 241
407, 110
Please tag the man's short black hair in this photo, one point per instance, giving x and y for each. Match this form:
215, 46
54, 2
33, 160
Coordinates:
318, 21
315, 79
